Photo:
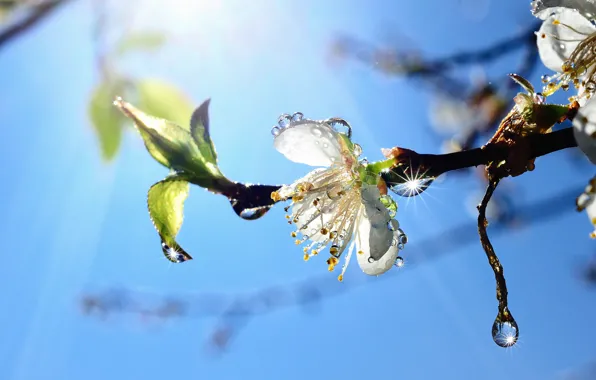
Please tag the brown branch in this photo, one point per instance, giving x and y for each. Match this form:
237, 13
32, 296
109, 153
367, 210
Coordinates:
433, 165
37, 13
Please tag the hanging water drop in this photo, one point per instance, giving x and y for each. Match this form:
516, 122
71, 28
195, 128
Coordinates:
275, 131
505, 334
545, 78
172, 254
403, 238
371, 260
412, 187
284, 120
399, 262
297, 116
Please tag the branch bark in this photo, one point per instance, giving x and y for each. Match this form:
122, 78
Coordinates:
539, 145
37, 13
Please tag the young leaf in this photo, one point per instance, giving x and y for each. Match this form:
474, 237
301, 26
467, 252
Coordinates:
149, 40
105, 119
199, 129
163, 100
170, 144
165, 201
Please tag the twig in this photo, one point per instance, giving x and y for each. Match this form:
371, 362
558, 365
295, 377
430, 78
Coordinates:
493, 260
38, 13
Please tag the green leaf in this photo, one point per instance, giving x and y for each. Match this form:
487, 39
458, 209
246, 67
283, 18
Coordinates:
199, 129
147, 41
165, 201
106, 121
163, 100
175, 148
170, 144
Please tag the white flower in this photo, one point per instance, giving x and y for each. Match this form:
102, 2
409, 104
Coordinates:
339, 206
584, 129
586, 202
566, 44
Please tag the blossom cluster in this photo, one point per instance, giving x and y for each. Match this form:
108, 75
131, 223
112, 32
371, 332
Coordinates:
567, 45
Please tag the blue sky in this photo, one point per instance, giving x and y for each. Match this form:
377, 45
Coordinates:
72, 222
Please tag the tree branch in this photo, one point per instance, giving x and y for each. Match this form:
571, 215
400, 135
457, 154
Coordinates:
433, 165
37, 13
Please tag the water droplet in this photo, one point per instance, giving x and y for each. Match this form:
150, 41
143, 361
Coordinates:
357, 150
340, 125
173, 254
400, 246
316, 131
545, 78
297, 116
253, 213
393, 225
284, 120
371, 260
505, 334
590, 86
334, 250
325, 145
403, 238
539, 98
334, 193
275, 131
411, 188
399, 261
562, 47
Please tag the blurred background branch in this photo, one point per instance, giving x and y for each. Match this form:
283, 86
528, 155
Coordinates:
234, 311
34, 12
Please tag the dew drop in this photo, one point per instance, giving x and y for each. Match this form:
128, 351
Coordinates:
325, 145
172, 254
539, 98
284, 120
275, 131
357, 150
399, 262
297, 116
316, 131
545, 78
253, 213
505, 334
340, 125
411, 188
403, 238
400, 246
371, 260
392, 225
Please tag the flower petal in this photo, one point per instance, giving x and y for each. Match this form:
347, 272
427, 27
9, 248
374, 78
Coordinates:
373, 237
309, 142
584, 125
544, 8
556, 42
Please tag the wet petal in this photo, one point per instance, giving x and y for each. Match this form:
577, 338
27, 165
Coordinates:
584, 125
556, 42
309, 142
376, 243
544, 8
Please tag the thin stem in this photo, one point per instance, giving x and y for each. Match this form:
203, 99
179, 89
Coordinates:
493, 260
